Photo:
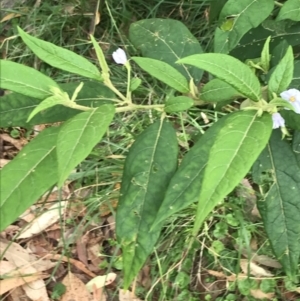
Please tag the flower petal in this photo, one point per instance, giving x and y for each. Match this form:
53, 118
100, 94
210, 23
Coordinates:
278, 121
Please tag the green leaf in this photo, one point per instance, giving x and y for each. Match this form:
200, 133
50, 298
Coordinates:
79, 135
149, 166
244, 15
135, 83
217, 90
296, 146
228, 69
166, 40
164, 72
48, 103
291, 118
251, 44
25, 80
265, 56
178, 104
28, 176
59, 57
237, 146
296, 77
185, 185
281, 205
15, 108
278, 52
290, 10
283, 73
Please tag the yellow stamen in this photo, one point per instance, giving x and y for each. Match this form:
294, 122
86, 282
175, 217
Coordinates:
292, 98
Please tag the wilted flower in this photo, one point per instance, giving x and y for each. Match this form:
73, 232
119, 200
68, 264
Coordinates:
278, 121
293, 97
119, 56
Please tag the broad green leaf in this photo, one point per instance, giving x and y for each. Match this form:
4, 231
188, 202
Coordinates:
217, 90
291, 118
236, 147
25, 80
166, 40
280, 210
296, 146
265, 56
228, 69
290, 10
283, 73
296, 77
15, 108
59, 57
28, 176
243, 15
164, 72
185, 185
149, 167
251, 44
178, 104
79, 135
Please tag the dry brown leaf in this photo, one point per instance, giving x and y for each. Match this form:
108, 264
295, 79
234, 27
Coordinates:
127, 296
75, 289
99, 294
3, 162
15, 142
258, 294
20, 258
10, 283
254, 269
45, 220
76, 263
101, 281
9, 17
267, 261
17, 294
216, 274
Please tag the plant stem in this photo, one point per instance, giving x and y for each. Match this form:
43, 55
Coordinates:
132, 107
278, 3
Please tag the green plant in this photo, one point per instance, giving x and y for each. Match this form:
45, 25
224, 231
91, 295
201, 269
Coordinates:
153, 186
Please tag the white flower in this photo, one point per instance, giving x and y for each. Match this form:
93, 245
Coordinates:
293, 97
119, 56
278, 121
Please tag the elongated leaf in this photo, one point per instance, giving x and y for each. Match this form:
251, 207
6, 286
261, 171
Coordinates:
265, 55
178, 104
25, 80
280, 209
228, 69
244, 15
237, 146
251, 44
185, 185
217, 90
59, 57
79, 135
149, 166
283, 73
290, 10
166, 40
28, 176
15, 108
164, 72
